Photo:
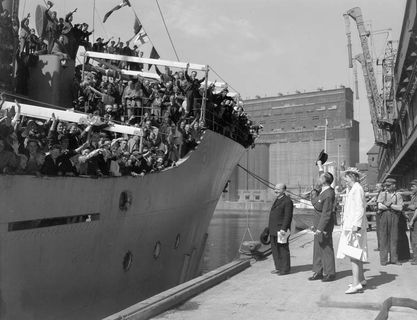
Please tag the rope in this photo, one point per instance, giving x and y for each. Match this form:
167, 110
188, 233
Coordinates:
101, 22
166, 28
237, 91
267, 183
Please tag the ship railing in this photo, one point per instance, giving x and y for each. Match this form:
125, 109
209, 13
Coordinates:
103, 58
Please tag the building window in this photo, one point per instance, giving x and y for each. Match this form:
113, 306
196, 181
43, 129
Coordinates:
247, 197
315, 118
257, 197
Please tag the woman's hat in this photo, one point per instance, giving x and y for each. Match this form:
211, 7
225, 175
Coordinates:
352, 170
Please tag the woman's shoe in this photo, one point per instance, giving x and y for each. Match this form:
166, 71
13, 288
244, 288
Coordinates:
363, 283
354, 289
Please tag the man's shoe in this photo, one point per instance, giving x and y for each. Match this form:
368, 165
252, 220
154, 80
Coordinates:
316, 276
328, 278
414, 262
284, 273
377, 249
397, 263
383, 264
275, 271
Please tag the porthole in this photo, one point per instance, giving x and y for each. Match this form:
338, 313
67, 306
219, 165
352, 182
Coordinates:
127, 261
125, 200
177, 241
157, 250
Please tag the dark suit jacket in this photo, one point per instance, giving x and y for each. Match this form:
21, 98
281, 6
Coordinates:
324, 205
280, 216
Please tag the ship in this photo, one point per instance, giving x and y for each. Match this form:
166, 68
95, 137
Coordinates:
83, 247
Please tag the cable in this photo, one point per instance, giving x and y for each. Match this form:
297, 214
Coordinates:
268, 184
166, 28
212, 69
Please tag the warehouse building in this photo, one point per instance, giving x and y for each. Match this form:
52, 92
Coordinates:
293, 136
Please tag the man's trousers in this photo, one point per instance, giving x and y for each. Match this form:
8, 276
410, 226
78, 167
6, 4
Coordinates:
388, 237
323, 254
281, 254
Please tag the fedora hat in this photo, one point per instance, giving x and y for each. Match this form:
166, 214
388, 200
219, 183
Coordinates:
265, 238
323, 156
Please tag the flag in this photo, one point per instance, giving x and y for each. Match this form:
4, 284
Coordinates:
154, 55
119, 6
137, 27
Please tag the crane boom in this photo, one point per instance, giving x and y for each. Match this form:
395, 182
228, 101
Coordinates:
378, 132
379, 116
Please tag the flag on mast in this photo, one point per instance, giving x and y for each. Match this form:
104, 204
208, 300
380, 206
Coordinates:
140, 37
119, 6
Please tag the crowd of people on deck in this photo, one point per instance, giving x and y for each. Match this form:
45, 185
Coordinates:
168, 111
54, 147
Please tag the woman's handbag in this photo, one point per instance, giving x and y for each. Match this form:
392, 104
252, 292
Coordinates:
352, 248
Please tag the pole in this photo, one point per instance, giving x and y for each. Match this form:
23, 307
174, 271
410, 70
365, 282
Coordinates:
325, 136
338, 163
204, 102
94, 20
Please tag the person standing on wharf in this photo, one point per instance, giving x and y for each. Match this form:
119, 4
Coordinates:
323, 200
280, 219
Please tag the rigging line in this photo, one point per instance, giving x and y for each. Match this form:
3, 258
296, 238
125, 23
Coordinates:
166, 28
101, 23
229, 85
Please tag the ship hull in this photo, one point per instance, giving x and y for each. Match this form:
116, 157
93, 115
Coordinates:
90, 269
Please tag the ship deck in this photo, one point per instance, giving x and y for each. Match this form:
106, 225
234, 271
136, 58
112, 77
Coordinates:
257, 294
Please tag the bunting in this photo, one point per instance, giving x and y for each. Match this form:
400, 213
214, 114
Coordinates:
154, 55
119, 6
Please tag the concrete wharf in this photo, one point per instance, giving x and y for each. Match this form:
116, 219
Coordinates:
255, 293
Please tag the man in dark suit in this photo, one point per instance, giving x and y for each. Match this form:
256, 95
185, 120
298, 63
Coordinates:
280, 219
323, 200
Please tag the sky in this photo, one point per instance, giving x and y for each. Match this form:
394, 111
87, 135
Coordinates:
260, 47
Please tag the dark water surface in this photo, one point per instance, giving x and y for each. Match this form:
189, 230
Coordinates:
225, 234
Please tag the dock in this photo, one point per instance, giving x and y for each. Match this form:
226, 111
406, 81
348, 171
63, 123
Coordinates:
255, 293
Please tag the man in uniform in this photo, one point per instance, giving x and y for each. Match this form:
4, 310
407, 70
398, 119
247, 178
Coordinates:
413, 221
390, 203
280, 219
323, 200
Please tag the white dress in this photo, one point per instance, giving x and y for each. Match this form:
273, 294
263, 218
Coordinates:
354, 215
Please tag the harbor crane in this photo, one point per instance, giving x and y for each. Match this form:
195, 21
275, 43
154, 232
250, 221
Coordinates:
381, 119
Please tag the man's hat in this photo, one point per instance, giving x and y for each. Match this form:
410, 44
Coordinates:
265, 238
414, 182
390, 181
323, 156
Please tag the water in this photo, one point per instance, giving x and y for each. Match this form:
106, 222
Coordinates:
226, 231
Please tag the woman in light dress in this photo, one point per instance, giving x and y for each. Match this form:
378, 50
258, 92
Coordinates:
354, 226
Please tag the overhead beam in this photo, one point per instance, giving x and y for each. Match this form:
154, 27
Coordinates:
43, 113
158, 62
